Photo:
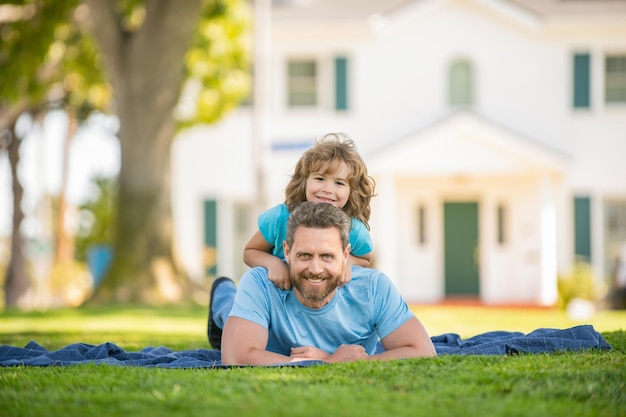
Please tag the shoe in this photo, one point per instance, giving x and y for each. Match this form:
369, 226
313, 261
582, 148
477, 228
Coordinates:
214, 333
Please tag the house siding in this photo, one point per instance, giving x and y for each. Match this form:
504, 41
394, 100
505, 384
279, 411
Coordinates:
524, 144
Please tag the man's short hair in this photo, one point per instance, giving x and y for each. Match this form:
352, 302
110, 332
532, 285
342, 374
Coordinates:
319, 216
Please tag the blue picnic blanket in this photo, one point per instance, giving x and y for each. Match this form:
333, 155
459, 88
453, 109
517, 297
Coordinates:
544, 340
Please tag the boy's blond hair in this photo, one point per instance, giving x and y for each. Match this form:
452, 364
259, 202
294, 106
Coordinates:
331, 150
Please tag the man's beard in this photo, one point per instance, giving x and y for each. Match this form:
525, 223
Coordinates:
314, 293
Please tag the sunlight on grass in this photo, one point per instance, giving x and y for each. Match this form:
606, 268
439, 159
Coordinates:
469, 321
186, 326
124, 322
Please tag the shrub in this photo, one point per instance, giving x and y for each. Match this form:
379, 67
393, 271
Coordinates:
579, 283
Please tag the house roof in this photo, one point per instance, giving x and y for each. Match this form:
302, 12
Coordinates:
294, 11
333, 10
572, 7
465, 143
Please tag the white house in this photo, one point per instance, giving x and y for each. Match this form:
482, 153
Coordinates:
495, 129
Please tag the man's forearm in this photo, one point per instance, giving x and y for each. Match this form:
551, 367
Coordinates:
244, 342
408, 341
252, 357
403, 353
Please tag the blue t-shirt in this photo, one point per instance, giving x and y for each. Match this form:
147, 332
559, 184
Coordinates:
273, 227
367, 308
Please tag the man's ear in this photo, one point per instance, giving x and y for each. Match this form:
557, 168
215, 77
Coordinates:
346, 253
286, 251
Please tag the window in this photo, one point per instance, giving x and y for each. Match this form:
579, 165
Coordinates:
615, 79
615, 232
460, 83
501, 219
302, 83
581, 79
421, 225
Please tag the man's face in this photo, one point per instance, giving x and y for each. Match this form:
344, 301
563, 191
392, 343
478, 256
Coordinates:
316, 263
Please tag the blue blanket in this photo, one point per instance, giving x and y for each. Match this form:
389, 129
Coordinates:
492, 343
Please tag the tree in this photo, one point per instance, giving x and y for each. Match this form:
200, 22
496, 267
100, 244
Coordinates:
39, 48
145, 46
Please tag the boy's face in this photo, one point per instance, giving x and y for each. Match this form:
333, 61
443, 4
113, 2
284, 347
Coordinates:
329, 187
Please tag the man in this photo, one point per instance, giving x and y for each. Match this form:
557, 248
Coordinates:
315, 319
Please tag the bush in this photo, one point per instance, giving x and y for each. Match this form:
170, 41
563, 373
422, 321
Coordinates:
97, 217
580, 283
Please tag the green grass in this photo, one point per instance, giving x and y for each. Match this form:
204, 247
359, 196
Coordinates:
564, 384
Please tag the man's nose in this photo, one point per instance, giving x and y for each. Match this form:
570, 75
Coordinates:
315, 266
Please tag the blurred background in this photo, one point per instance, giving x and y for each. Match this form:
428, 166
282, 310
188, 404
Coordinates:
141, 140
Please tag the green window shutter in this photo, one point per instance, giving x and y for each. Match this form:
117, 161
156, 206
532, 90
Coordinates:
582, 80
341, 83
582, 228
210, 238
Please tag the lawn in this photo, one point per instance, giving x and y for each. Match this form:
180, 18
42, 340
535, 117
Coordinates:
567, 384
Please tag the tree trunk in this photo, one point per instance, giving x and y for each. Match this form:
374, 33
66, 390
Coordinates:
146, 71
17, 287
64, 249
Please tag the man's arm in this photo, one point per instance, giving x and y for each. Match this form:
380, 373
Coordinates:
244, 342
408, 341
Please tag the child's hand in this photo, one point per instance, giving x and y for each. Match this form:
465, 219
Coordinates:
346, 276
278, 273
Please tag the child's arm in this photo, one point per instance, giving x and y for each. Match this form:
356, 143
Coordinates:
363, 261
259, 253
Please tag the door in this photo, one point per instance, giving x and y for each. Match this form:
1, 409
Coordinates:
461, 249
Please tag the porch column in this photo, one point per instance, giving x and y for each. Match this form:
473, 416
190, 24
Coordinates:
548, 236
385, 233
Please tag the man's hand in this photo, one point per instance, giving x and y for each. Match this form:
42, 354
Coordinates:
304, 353
348, 353
344, 353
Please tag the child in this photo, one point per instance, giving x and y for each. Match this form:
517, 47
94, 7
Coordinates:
329, 172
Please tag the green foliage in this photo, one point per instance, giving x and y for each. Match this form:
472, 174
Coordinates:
580, 283
132, 13
217, 65
218, 62
26, 35
47, 57
97, 217
83, 87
